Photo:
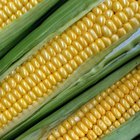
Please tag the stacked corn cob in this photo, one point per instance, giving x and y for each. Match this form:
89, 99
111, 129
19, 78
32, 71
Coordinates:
35, 81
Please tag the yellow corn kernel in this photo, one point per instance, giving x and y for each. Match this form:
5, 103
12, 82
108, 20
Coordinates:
106, 111
39, 76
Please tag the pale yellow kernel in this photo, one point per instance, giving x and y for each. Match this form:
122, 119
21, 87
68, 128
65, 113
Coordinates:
129, 99
24, 10
23, 72
117, 21
55, 133
17, 107
21, 90
106, 120
108, 14
51, 137
50, 50
102, 125
121, 120
116, 124
76, 30
91, 16
110, 101
98, 30
10, 98
95, 48
71, 121
7, 10
73, 64
125, 103
116, 112
136, 108
7, 115
72, 134
83, 55
105, 105
87, 122
131, 111
100, 44
129, 12
126, 115
3, 118
110, 115
134, 95
81, 25
112, 127
77, 45
117, 6
22, 103
66, 125
6, 87
97, 130
101, 20
67, 54
91, 135
66, 39
2, 107
87, 22
62, 44
78, 132
103, 7
124, 88
72, 50
6, 102
124, 3
120, 108
32, 95
93, 33
82, 41
78, 60
114, 38
3, 15
82, 127
88, 51
100, 109
96, 113
71, 34
27, 99
61, 130
107, 41
88, 37
135, 6
97, 11
134, 22
91, 118
2, 92
28, 6
13, 112
66, 137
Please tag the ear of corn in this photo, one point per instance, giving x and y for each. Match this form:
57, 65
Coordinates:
50, 67
69, 92
17, 19
97, 104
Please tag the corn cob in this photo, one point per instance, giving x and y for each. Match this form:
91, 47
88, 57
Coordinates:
11, 10
104, 113
110, 104
37, 78
19, 18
